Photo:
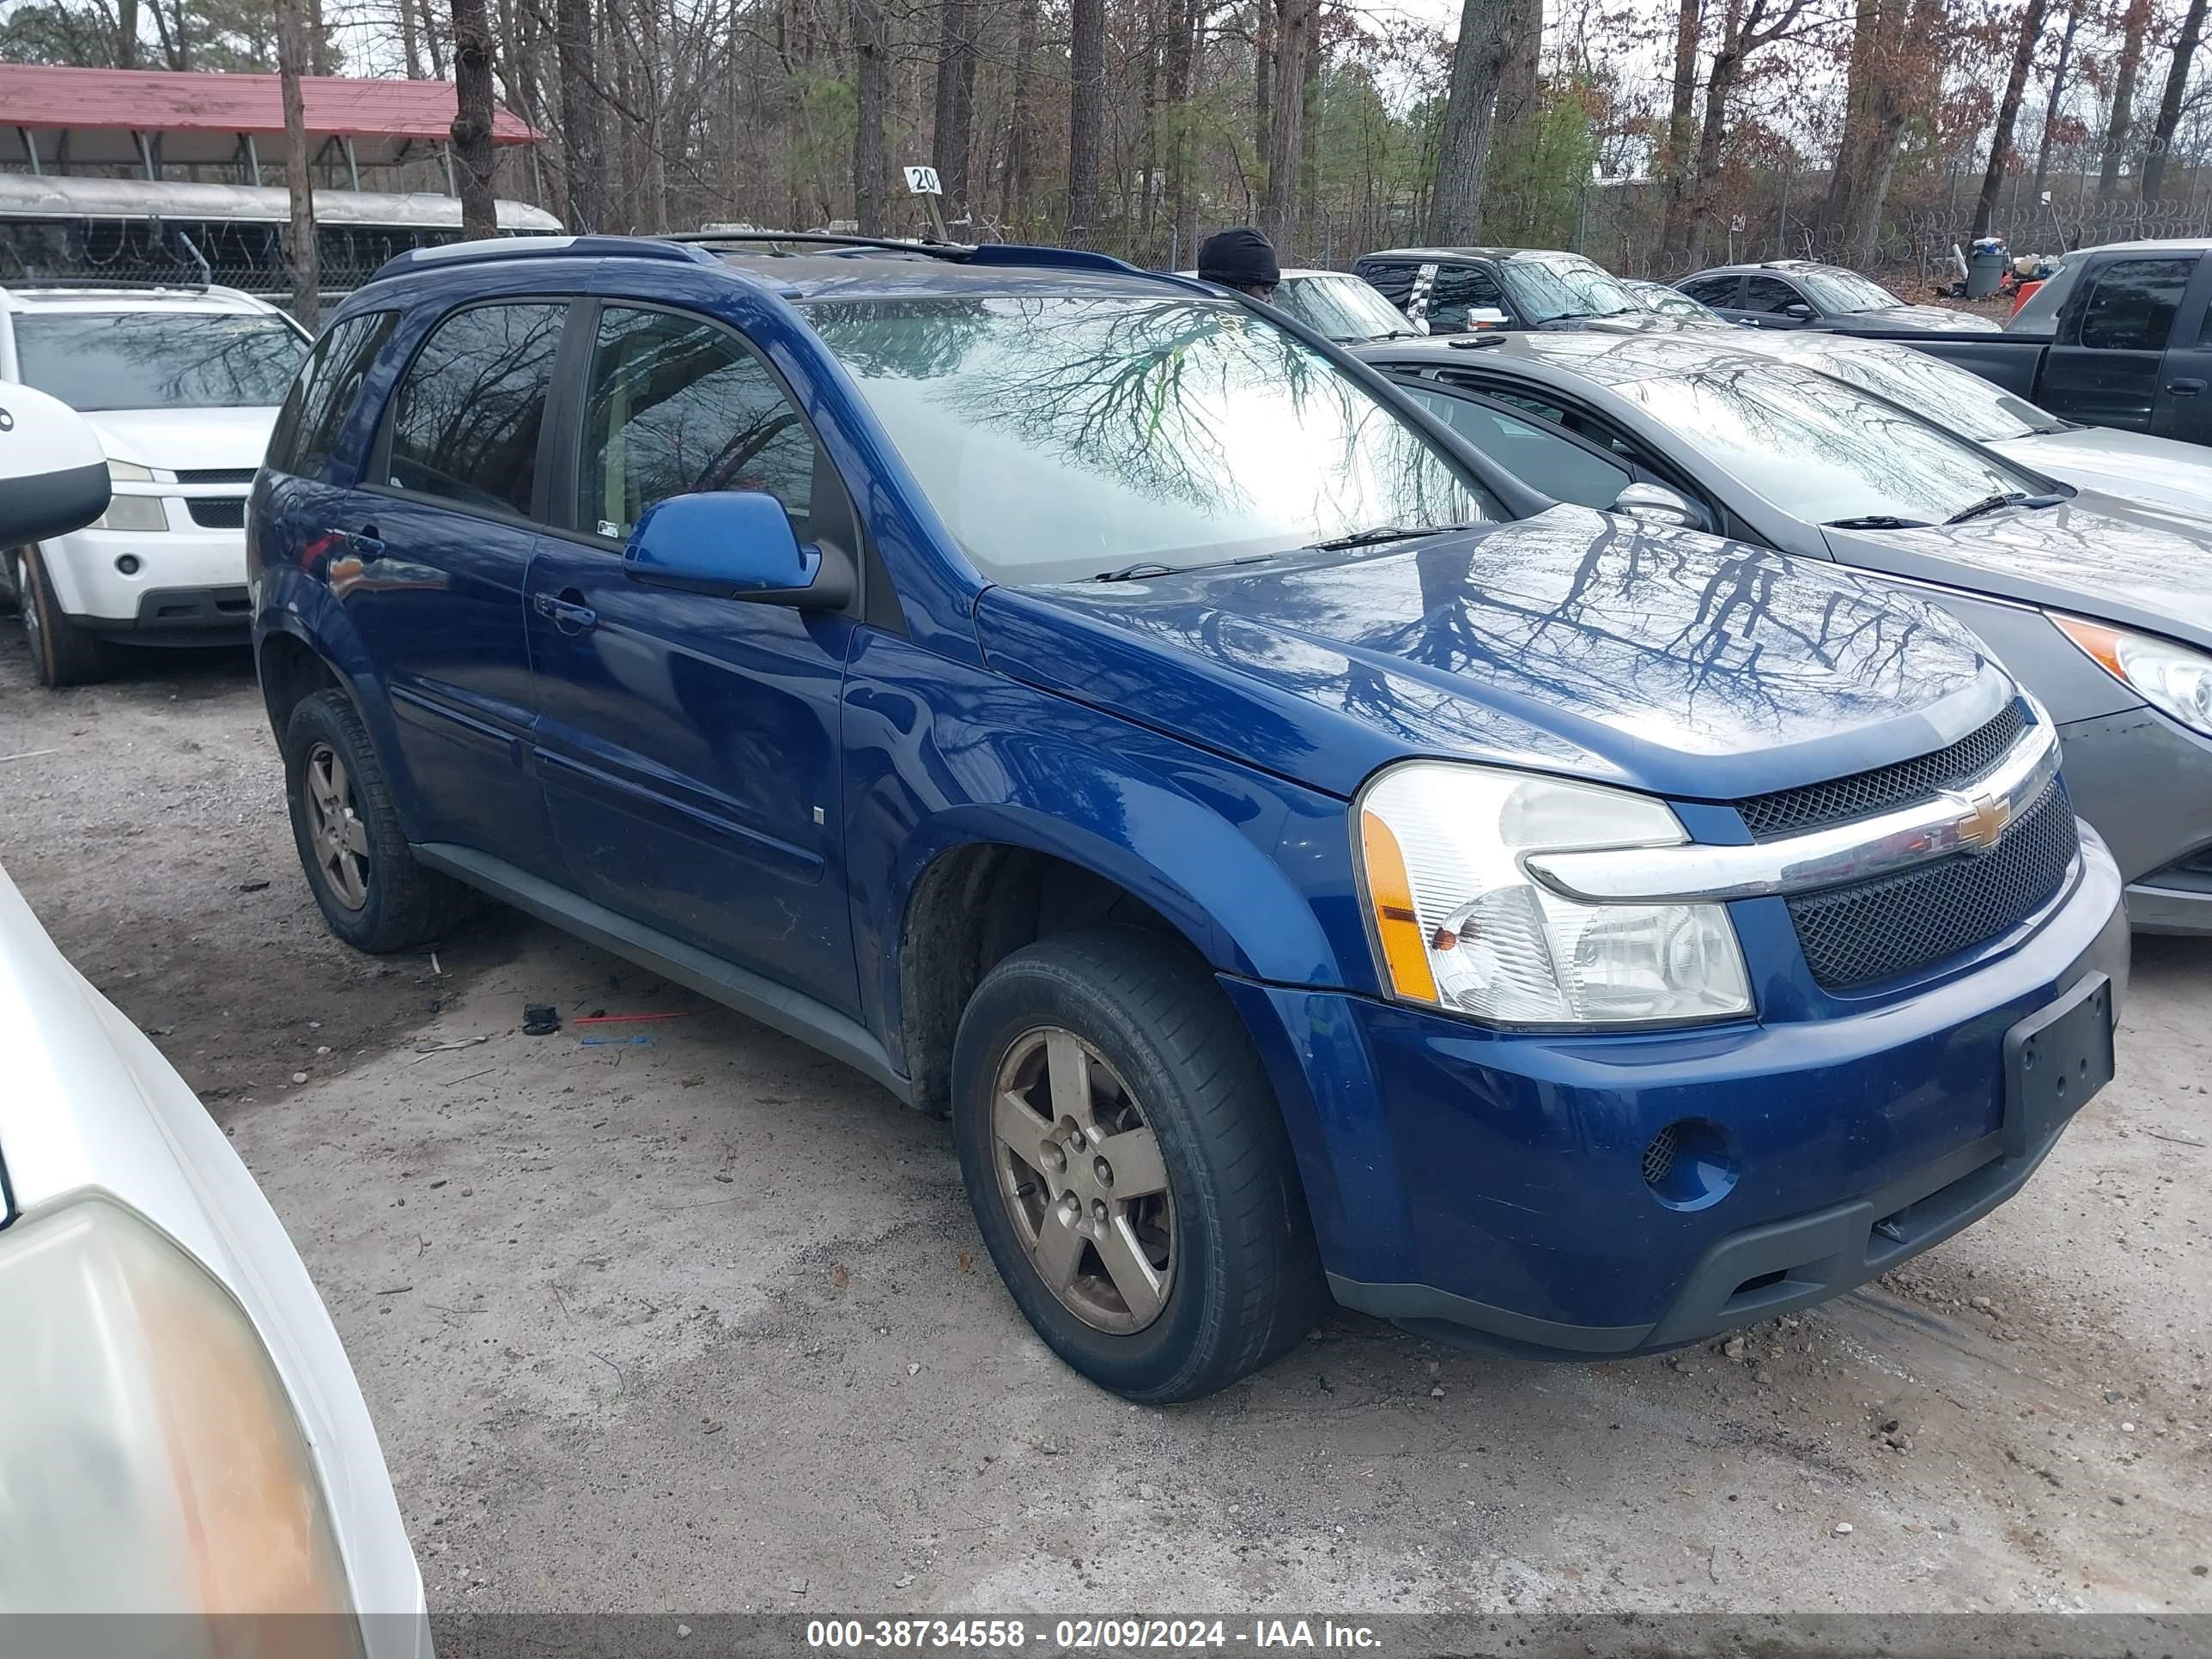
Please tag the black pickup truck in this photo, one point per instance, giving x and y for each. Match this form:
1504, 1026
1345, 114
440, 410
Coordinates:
2119, 337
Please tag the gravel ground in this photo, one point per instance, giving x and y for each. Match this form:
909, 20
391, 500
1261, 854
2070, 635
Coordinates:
701, 1322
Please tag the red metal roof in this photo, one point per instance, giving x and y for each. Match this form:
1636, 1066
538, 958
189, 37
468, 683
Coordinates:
162, 101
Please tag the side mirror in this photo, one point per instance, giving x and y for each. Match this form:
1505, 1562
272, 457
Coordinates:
1487, 317
1800, 313
1656, 504
53, 472
734, 544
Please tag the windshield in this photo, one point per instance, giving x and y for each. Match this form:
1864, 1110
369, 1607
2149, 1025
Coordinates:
1822, 450
154, 359
1946, 394
1845, 290
1066, 437
1341, 307
1552, 290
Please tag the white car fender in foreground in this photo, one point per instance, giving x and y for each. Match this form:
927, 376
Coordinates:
89, 1110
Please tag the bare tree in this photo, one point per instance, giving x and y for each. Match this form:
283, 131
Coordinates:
1470, 107
2120, 116
1086, 115
954, 130
582, 143
299, 234
1294, 33
472, 119
2055, 102
871, 84
2023, 57
2169, 103
1021, 120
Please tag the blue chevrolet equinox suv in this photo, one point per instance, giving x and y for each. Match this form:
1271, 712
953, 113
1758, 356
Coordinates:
1302, 861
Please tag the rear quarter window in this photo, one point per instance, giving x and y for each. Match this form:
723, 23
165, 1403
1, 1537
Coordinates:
1393, 277
304, 438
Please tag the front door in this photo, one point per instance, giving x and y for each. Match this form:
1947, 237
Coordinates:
2104, 365
689, 745
441, 529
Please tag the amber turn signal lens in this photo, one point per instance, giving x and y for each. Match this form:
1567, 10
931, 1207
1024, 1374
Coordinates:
1397, 926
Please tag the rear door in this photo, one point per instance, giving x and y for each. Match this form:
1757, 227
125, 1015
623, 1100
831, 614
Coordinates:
2106, 366
2184, 409
690, 743
440, 533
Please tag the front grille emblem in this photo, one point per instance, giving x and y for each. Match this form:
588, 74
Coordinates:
1985, 819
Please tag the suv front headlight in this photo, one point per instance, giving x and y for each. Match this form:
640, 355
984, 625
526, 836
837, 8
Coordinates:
1459, 924
2172, 678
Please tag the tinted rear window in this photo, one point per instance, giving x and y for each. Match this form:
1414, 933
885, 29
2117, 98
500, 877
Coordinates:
307, 429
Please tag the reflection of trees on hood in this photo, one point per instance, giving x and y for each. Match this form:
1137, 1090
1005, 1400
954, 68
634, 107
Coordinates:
1656, 627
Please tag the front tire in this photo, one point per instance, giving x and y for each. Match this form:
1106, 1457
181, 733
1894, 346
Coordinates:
371, 892
1128, 1166
62, 653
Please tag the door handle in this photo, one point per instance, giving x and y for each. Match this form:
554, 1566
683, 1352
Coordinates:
568, 612
363, 542
2188, 388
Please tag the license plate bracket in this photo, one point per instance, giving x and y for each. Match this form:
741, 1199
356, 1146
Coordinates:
2054, 1060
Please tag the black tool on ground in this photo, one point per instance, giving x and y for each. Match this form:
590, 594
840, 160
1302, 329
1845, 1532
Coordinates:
540, 1020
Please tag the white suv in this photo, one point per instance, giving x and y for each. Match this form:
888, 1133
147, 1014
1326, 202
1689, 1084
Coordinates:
182, 385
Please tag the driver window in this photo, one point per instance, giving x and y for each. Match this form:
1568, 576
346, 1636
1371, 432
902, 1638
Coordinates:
1457, 290
676, 404
1770, 294
1541, 459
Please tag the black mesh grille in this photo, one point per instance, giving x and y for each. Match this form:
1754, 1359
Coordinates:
215, 475
1659, 1156
1878, 930
1792, 811
218, 512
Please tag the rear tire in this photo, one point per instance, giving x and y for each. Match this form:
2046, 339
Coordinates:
1108, 1107
371, 892
62, 653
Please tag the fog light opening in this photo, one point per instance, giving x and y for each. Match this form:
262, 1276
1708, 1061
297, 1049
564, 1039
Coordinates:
1688, 1165
127, 564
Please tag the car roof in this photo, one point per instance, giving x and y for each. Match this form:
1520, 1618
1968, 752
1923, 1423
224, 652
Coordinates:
2166, 245
102, 299
1747, 268
800, 265
1600, 358
1466, 253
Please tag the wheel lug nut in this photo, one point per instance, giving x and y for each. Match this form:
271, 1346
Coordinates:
1098, 1211
1103, 1171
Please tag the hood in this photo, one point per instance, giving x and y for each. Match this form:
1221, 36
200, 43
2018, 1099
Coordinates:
2158, 472
1917, 319
1572, 642
187, 439
2117, 560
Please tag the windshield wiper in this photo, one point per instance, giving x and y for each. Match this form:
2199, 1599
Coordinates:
1138, 572
1989, 504
1381, 532
1877, 521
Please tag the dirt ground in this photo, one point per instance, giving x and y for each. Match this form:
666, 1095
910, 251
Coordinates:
701, 1322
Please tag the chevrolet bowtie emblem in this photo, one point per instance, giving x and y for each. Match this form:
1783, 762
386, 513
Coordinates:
1985, 819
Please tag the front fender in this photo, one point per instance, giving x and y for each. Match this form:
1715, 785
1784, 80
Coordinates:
288, 600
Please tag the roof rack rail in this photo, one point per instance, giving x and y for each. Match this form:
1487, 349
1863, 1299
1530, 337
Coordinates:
972, 253
957, 251
490, 250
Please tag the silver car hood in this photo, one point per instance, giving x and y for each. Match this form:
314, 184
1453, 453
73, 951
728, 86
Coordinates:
2094, 556
2132, 465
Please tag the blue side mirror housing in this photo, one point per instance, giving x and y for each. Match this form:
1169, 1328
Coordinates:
734, 544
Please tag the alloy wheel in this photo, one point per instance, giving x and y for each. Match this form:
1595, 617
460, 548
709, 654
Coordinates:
335, 830
1082, 1180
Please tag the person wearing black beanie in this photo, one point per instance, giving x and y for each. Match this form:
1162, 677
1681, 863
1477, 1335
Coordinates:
1241, 258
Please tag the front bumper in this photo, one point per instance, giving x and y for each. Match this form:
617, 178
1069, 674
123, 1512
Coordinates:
2145, 783
173, 565
1488, 1186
